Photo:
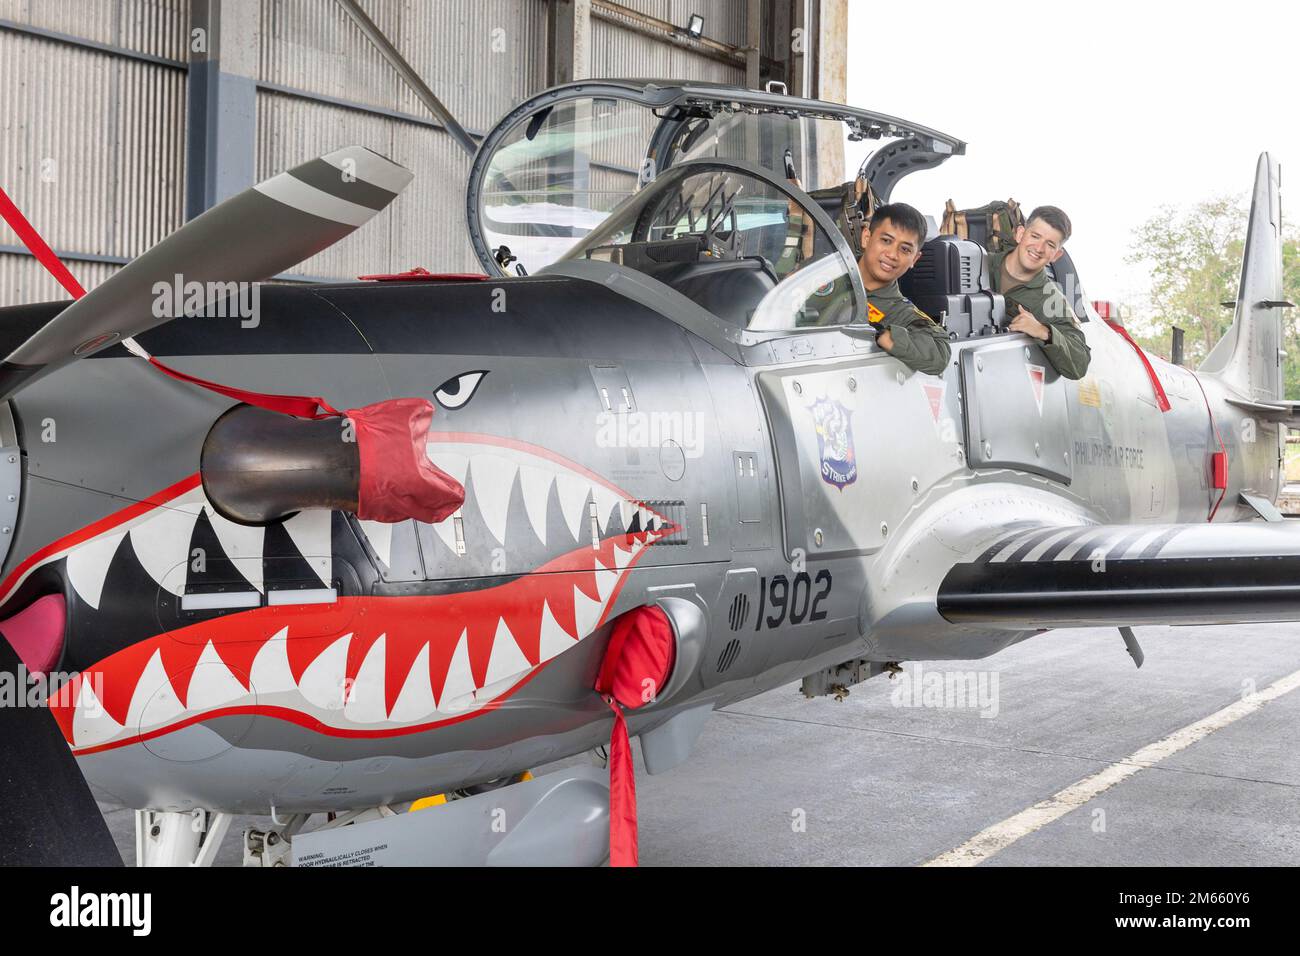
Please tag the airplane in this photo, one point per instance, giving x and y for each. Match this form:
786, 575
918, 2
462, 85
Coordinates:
659, 411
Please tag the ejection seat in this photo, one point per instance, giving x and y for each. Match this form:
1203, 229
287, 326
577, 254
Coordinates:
950, 283
841, 204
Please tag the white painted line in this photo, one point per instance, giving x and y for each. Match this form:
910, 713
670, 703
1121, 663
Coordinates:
275, 598
990, 841
292, 191
1037, 551
215, 600
370, 167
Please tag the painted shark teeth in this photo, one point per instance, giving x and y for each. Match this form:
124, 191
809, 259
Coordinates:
493, 478
148, 707
606, 581
507, 660
323, 690
270, 673
160, 541
324, 682
555, 639
162, 545
242, 544
380, 536
310, 532
440, 679
458, 687
574, 493
91, 722
536, 487
491, 472
87, 566
364, 702
212, 685
415, 700
586, 612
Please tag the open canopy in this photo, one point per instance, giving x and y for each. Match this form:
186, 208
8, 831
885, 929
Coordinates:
555, 168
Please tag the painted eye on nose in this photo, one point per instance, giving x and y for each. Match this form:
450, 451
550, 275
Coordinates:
459, 389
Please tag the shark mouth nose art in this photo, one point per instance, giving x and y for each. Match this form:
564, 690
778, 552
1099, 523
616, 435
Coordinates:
360, 665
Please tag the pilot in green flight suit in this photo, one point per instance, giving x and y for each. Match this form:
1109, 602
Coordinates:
1037, 305
891, 244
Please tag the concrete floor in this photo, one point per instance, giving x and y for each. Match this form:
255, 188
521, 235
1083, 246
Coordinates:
880, 784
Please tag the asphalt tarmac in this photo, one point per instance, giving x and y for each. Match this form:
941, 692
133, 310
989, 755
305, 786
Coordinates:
904, 771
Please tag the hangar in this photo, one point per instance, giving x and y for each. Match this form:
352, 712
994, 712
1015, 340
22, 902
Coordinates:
183, 106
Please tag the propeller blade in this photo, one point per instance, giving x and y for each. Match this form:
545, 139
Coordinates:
254, 235
48, 816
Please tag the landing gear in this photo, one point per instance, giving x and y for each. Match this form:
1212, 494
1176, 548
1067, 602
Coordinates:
168, 838
273, 847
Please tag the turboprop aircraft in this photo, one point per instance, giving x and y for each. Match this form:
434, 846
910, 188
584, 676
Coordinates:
648, 402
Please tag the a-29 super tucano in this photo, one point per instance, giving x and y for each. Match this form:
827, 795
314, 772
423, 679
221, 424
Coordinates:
652, 400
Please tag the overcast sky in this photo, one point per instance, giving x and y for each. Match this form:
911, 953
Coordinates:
1107, 110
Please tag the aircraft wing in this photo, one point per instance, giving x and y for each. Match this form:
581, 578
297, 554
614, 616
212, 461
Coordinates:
1118, 575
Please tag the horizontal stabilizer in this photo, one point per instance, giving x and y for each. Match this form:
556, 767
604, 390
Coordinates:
1280, 411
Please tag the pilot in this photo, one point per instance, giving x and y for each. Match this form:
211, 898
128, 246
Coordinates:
1036, 304
891, 244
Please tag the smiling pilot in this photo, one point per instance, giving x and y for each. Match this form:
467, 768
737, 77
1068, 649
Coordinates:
1036, 304
891, 244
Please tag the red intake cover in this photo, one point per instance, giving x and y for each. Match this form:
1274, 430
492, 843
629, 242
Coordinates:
398, 481
637, 664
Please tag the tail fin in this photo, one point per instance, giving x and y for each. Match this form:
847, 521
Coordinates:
1249, 357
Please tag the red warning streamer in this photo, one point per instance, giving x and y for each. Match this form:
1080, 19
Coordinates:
1162, 400
33, 241
637, 664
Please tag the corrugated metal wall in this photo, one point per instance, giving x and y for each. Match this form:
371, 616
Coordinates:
480, 58
155, 27
618, 51
93, 143
93, 146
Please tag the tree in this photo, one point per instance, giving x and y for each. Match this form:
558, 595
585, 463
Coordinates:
1194, 259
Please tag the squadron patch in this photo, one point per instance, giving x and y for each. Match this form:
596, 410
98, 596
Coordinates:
874, 314
825, 290
839, 463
